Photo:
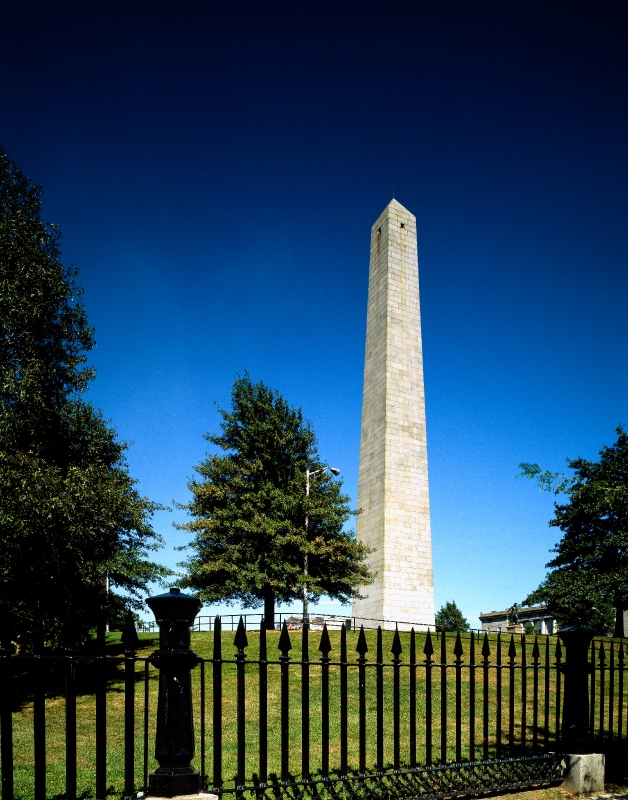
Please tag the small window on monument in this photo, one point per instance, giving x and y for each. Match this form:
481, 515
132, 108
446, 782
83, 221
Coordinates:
379, 231
403, 224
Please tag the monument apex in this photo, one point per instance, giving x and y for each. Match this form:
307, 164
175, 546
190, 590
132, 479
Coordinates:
393, 485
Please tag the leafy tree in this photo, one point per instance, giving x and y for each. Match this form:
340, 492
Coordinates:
69, 512
249, 509
529, 629
449, 618
589, 574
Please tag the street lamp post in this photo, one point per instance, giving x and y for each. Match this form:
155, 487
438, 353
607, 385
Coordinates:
308, 474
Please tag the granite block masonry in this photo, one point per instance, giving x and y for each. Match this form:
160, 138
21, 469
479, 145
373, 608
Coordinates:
393, 484
585, 774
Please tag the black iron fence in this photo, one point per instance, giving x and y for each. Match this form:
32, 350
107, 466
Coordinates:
406, 714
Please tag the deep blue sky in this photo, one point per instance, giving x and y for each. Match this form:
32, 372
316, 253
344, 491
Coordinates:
216, 168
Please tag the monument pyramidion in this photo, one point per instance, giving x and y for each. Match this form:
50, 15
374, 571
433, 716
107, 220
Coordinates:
393, 485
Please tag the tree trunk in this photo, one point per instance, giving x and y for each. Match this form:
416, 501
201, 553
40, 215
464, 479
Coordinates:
620, 605
269, 609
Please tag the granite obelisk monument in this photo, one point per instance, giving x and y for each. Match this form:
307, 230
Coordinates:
392, 485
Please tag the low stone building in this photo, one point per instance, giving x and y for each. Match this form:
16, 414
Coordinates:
539, 616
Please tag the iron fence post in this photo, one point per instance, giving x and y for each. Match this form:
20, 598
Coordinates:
174, 745
575, 733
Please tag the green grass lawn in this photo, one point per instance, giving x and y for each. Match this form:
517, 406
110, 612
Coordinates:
202, 643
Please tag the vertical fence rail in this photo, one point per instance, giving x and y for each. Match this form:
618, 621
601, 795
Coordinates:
344, 726
6, 715
285, 645
101, 706
131, 642
593, 698
524, 691
536, 654
458, 652
620, 690
428, 651
362, 650
486, 652
443, 698
546, 695
202, 722
217, 700
602, 662
39, 707
129, 723
512, 654
412, 691
558, 657
611, 691
324, 649
305, 704
396, 650
498, 695
472, 698
146, 728
263, 705
70, 708
379, 695
241, 643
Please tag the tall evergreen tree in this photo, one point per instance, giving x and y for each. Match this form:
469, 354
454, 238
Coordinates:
249, 509
449, 618
589, 574
69, 512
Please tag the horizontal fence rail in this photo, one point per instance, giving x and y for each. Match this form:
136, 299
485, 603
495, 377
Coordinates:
401, 713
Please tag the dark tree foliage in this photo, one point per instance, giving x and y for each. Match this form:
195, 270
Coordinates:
589, 575
449, 618
69, 512
249, 509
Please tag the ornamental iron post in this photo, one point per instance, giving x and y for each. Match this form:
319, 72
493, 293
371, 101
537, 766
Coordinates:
174, 746
576, 737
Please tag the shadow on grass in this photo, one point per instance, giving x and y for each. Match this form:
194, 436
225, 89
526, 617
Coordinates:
53, 672
453, 780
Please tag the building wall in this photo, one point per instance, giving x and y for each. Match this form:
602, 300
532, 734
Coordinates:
543, 621
393, 482
537, 615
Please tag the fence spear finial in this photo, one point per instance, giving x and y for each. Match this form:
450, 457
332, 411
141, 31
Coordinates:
325, 645
536, 653
285, 645
362, 647
396, 648
428, 650
129, 637
240, 641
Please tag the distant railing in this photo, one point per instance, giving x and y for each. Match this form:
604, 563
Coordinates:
252, 620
